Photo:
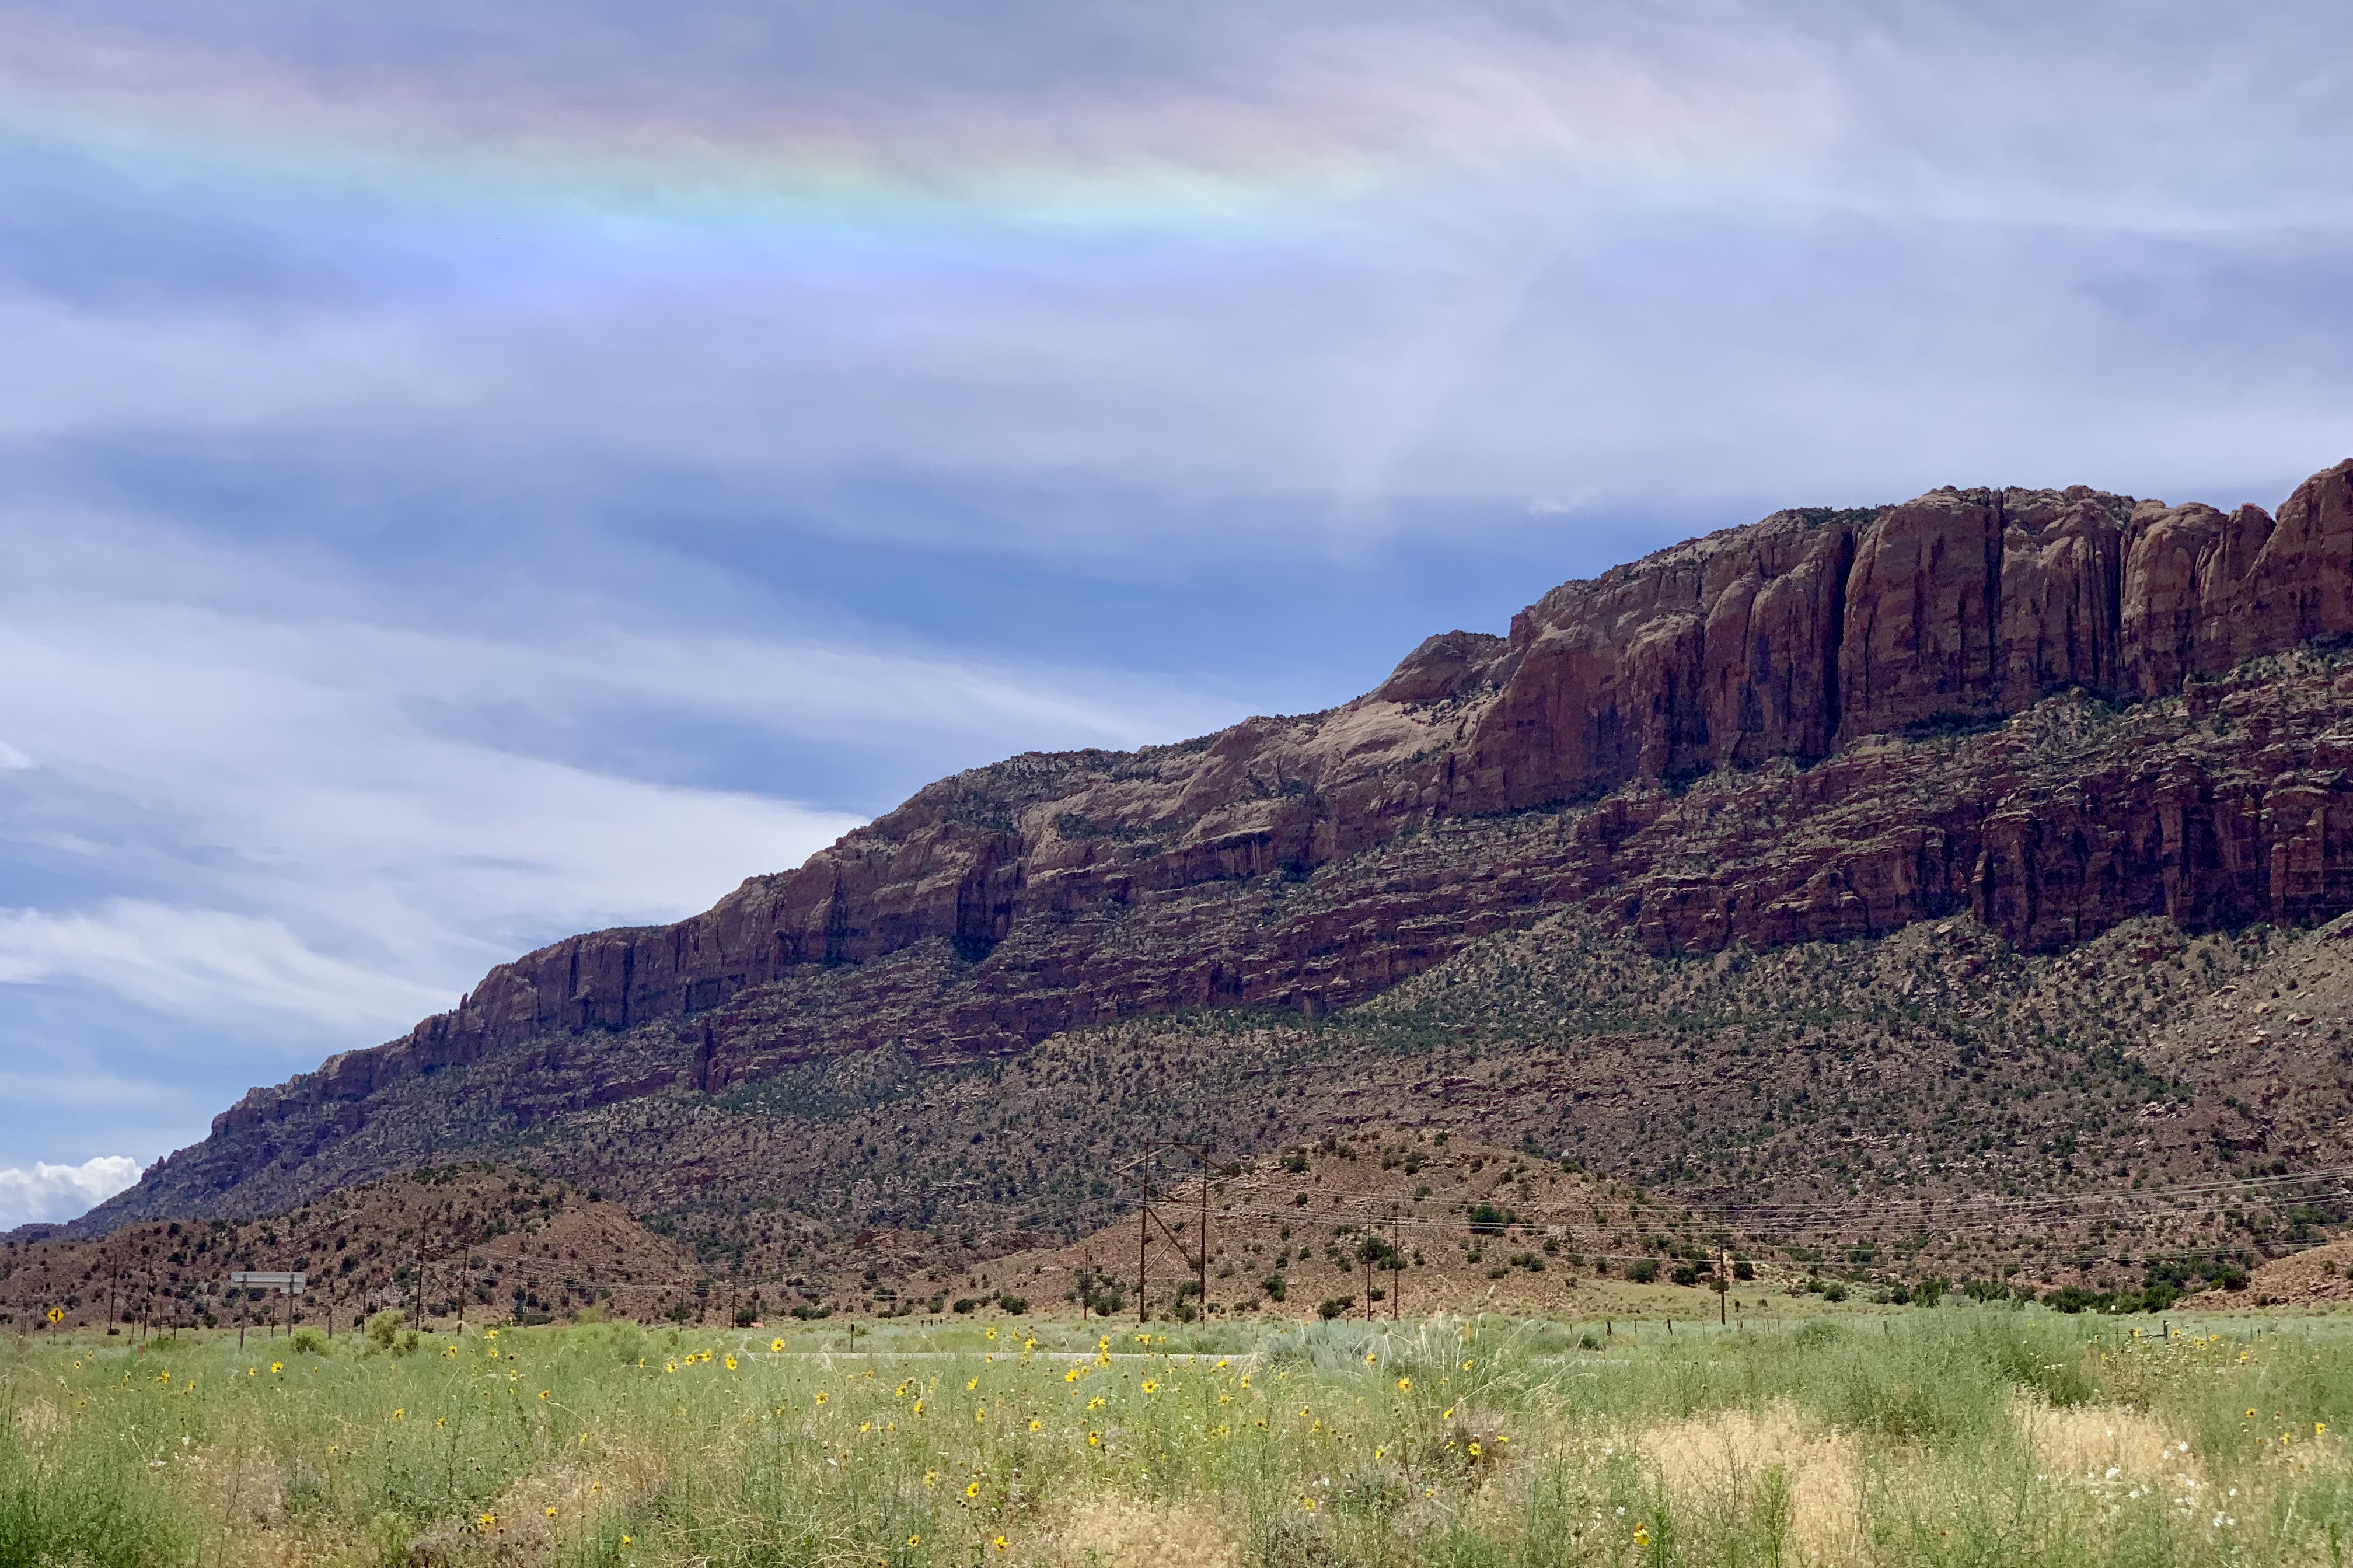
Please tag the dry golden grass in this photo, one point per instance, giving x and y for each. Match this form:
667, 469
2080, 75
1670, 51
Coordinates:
239, 1486
35, 1419
1127, 1533
2101, 1442
243, 1491
1797, 1477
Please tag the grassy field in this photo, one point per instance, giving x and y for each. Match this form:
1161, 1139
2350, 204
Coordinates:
1965, 1434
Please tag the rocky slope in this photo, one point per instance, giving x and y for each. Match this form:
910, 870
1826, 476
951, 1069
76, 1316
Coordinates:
474, 1243
2046, 711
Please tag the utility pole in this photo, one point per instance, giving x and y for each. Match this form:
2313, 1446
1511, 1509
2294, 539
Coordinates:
1143, 1228
1397, 1270
1203, 1295
1146, 1219
466, 1233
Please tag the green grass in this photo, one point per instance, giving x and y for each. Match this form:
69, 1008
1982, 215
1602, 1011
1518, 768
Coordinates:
1961, 1436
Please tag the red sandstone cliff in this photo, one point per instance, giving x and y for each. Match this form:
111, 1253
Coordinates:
1004, 903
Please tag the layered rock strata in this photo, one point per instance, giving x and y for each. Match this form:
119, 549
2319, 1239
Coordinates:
1308, 862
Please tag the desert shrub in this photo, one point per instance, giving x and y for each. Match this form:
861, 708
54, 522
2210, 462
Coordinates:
388, 1331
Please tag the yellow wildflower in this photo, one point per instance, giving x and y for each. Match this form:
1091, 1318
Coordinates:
550, 1511
776, 1344
971, 1488
1404, 1383
1641, 1536
1000, 1543
1151, 1387
731, 1363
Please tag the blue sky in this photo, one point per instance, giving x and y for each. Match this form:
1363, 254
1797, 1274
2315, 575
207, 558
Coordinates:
478, 473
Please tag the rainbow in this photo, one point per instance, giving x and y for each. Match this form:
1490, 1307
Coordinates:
234, 124
1264, 157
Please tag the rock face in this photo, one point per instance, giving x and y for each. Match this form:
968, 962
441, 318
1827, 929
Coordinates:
1309, 862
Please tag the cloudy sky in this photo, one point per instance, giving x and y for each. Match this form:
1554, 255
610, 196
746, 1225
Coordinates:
473, 473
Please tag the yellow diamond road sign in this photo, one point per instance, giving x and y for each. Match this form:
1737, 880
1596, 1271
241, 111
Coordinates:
57, 1314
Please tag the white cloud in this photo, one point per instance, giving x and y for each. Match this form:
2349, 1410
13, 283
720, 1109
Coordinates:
58, 1192
261, 801
200, 961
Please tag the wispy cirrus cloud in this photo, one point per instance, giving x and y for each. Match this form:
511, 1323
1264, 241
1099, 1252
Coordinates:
245, 796
195, 961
